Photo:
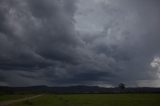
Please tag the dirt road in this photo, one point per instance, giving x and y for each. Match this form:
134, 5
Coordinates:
6, 103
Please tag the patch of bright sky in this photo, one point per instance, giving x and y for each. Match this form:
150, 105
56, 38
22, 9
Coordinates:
156, 65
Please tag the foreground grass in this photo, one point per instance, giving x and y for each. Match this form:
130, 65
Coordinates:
12, 97
94, 100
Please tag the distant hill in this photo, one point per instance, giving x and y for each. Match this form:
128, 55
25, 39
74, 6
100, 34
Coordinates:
76, 89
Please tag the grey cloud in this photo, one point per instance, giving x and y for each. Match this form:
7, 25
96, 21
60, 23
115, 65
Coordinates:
40, 44
130, 38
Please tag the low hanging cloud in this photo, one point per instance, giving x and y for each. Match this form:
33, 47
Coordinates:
73, 42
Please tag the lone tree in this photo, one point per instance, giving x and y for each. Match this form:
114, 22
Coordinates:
121, 86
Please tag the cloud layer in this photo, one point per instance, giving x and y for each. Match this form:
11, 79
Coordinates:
73, 42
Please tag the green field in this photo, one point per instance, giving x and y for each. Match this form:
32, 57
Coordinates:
94, 100
12, 97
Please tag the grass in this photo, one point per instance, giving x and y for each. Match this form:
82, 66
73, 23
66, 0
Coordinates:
94, 100
12, 97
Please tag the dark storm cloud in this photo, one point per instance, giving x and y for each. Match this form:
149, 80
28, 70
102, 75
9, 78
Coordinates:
36, 35
39, 44
139, 39
130, 37
39, 37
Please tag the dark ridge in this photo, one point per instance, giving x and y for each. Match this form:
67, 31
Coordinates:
75, 89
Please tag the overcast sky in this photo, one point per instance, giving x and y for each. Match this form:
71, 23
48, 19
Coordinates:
80, 42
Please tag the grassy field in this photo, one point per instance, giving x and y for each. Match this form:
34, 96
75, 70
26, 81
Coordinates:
12, 97
94, 100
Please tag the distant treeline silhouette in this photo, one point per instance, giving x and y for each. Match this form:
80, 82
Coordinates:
76, 89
